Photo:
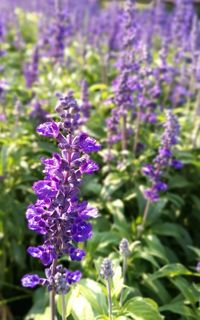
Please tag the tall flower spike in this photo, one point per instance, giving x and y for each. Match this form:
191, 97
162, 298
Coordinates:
85, 104
31, 69
163, 159
58, 214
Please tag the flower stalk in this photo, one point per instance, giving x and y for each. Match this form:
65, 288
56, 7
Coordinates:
107, 273
63, 307
125, 252
109, 299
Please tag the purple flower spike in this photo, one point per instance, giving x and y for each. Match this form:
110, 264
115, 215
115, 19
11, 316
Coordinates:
58, 214
30, 280
163, 159
48, 129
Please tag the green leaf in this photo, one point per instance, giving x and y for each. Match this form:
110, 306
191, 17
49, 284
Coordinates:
144, 254
116, 208
187, 289
171, 270
98, 86
174, 230
93, 292
117, 281
40, 302
4, 155
102, 242
81, 308
179, 308
157, 288
155, 248
142, 309
113, 182
84, 301
156, 210
177, 181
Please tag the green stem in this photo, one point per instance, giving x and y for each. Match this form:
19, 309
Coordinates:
52, 304
124, 266
124, 132
146, 211
63, 307
53, 293
109, 299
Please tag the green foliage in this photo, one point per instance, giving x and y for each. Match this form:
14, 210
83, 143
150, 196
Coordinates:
161, 282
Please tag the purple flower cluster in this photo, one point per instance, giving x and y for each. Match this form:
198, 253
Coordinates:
85, 104
163, 159
58, 214
123, 102
61, 280
38, 113
31, 69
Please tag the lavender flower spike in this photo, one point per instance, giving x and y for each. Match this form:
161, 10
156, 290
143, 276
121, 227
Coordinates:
164, 159
58, 214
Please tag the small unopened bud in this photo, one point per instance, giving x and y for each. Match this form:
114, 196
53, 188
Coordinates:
60, 282
106, 269
124, 247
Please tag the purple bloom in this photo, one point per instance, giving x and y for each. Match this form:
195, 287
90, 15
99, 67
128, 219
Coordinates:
148, 170
151, 194
30, 280
73, 277
52, 165
88, 144
177, 164
89, 167
45, 188
81, 231
36, 219
76, 254
89, 213
160, 186
48, 129
45, 253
